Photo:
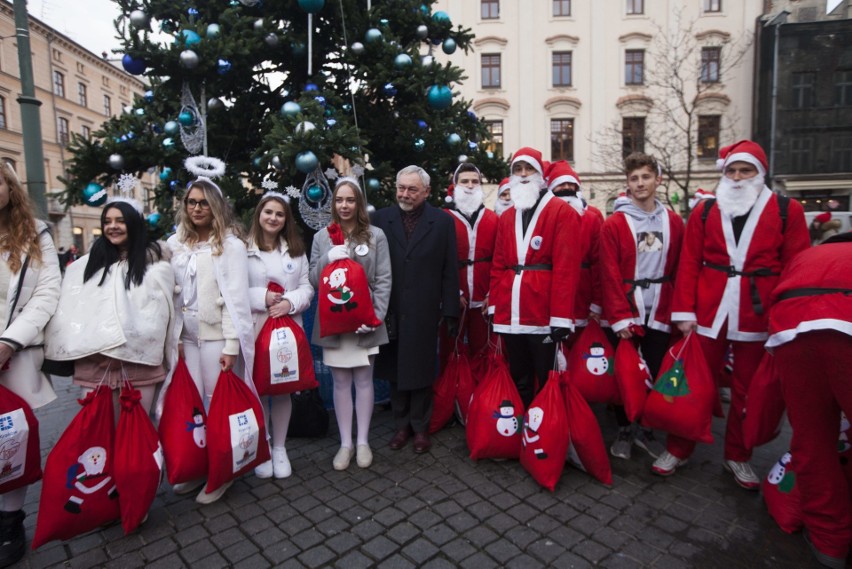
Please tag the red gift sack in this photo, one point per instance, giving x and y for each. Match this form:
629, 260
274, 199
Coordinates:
444, 395
632, 377
20, 453
590, 362
681, 401
464, 388
545, 435
138, 460
283, 362
79, 493
344, 295
183, 429
494, 419
781, 494
490, 354
237, 431
587, 450
764, 406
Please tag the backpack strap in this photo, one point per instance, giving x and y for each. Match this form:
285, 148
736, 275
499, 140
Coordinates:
708, 205
783, 206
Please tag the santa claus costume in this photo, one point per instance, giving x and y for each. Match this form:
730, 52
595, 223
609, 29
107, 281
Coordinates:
536, 268
504, 197
732, 257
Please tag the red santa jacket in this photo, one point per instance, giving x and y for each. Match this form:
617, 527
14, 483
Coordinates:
709, 294
475, 246
534, 275
589, 295
814, 293
622, 301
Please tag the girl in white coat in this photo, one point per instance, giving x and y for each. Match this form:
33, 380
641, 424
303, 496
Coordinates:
29, 289
277, 254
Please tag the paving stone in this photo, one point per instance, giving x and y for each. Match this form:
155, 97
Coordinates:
343, 542
458, 549
131, 561
159, 549
419, 551
199, 550
380, 547
479, 561
316, 556
591, 550
403, 533
171, 561
240, 550
354, 560
397, 561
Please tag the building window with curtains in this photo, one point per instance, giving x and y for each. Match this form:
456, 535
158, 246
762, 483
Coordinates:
711, 58
490, 70
708, 137
58, 84
561, 7
632, 135
62, 131
107, 106
634, 67
562, 139
3, 113
83, 97
561, 68
635, 7
490, 9
712, 5
495, 144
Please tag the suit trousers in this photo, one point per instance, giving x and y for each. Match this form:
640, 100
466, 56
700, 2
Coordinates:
411, 408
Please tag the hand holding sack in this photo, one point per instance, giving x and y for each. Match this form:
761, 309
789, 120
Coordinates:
21, 457
587, 450
781, 494
183, 429
681, 402
283, 362
632, 378
590, 363
545, 439
137, 461
79, 492
344, 294
237, 431
494, 420
764, 406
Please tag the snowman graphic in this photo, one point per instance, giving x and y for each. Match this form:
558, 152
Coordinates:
340, 294
596, 361
198, 428
507, 422
781, 475
532, 424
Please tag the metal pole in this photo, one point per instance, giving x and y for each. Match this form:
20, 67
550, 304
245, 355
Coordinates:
31, 122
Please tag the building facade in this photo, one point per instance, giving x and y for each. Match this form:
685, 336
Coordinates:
590, 81
78, 90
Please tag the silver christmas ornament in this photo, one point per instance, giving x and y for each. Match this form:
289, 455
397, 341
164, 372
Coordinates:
422, 31
258, 24
138, 18
305, 127
427, 61
214, 104
462, 158
116, 161
357, 48
276, 162
189, 59
271, 40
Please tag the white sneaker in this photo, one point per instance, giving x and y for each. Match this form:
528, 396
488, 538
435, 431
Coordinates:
280, 462
264, 470
667, 464
621, 447
343, 458
743, 474
182, 488
363, 456
205, 497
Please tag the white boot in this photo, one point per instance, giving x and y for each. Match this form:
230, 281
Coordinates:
280, 462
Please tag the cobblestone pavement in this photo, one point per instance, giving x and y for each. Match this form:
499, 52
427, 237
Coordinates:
441, 510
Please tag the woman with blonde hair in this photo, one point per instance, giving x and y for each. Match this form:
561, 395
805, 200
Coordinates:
351, 356
276, 254
29, 290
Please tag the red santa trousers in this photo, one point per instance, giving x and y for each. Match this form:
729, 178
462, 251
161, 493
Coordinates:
747, 356
817, 385
473, 325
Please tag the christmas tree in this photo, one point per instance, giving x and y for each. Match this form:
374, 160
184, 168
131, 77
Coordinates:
672, 383
284, 91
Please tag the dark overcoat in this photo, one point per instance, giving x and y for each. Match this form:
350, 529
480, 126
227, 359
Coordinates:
425, 288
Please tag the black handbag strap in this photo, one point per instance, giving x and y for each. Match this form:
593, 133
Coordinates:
18, 290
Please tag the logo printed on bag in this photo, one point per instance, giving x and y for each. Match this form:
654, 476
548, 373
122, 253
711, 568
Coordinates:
532, 423
6, 423
340, 294
244, 438
507, 421
87, 477
198, 428
12, 441
283, 360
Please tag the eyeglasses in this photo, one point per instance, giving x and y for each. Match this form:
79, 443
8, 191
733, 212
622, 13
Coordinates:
408, 189
192, 204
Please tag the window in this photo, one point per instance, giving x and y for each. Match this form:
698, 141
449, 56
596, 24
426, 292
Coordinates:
561, 7
635, 7
62, 133
710, 62
708, 137
81, 94
86, 132
107, 106
3, 112
105, 81
801, 151
122, 89
712, 5
561, 68
495, 144
81, 68
803, 90
841, 153
634, 66
843, 88
58, 84
562, 139
57, 55
490, 9
632, 135
491, 71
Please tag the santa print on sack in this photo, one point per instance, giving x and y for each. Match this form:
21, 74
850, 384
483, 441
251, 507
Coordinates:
507, 421
340, 295
596, 361
198, 428
673, 382
87, 477
780, 475
532, 423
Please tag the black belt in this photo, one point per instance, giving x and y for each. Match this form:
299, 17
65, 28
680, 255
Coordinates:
467, 262
537, 267
732, 271
812, 291
642, 283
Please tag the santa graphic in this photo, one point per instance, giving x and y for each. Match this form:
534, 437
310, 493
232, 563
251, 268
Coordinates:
507, 422
87, 477
532, 424
340, 294
198, 428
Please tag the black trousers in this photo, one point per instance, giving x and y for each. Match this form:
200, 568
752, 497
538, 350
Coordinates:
411, 408
530, 357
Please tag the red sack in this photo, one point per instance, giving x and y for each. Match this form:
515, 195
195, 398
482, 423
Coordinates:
765, 406
781, 494
138, 460
237, 431
681, 401
79, 493
493, 425
590, 362
344, 295
484, 359
183, 429
20, 453
464, 389
545, 435
632, 377
444, 395
282, 346
587, 450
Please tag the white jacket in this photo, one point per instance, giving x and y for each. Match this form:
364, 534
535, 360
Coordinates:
291, 274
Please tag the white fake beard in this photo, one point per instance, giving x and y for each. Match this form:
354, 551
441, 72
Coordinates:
502, 205
468, 200
573, 201
525, 190
737, 198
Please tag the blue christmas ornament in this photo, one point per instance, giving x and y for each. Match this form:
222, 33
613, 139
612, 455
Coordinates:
133, 65
171, 128
402, 61
122, 138
223, 66
139, 112
167, 26
439, 97
130, 135
156, 128
165, 174
154, 219
311, 87
373, 185
472, 146
419, 145
489, 154
453, 139
257, 162
168, 142
213, 30
440, 16
186, 118
94, 194
234, 3
173, 185
422, 124
346, 107
449, 46
306, 162
149, 96
192, 13
389, 89
314, 193
472, 116
373, 35
330, 122
189, 37
311, 6
424, 9
291, 108
320, 99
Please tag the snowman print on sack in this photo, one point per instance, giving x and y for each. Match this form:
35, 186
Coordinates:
198, 428
340, 295
507, 421
781, 475
596, 360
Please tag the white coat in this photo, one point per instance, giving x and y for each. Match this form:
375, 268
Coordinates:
279, 267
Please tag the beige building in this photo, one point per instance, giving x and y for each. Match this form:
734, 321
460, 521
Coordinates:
78, 91
588, 81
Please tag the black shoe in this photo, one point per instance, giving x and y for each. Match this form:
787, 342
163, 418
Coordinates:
13, 540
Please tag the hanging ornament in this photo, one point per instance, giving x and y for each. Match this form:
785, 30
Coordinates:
271, 40
462, 158
320, 99
440, 16
154, 219
311, 87
291, 109
192, 13
419, 145
186, 118
425, 9
402, 61
373, 185
213, 30
171, 128
173, 185
148, 96
276, 162
449, 46
346, 107
453, 139
675, 199
389, 89
314, 193
373, 35
116, 161
439, 97
257, 162
258, 24
315, 200
427, 60
166, 174
214, 104
133, 65
139, 112
223, 66
167, 26
168, 142
189, 37
489, 155
330, 122
422, 31
189, 59
422, 124
306, 162
194, 134
138, 19
311, 6
305, 127
357, 48
94, 194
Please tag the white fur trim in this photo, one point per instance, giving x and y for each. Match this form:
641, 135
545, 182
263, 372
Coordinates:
529, 160
562, 180
743, 157
785, 336
208, 166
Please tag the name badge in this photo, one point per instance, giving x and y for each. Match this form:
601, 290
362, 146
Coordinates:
289, 267
536, 242
362, 249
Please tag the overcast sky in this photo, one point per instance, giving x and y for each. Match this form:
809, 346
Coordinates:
87, 22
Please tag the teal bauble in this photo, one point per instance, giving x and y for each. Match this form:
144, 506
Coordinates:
439, 97
186, 118
440, 16
314, 193
419, 145
168, 142
373, 185
166, 174
171, 128
311, 6
449, 46
306, 162
213, 31
373, 35
291, 109
94, 194
402, 61
154, 219
453, 139
190, 37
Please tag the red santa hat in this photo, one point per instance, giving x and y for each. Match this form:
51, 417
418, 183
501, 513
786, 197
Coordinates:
531, 156
824, 217
560, 173
743, 151
450, 189
699, 195
504, 185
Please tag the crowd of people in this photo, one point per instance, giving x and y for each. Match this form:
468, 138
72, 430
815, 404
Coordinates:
534, 271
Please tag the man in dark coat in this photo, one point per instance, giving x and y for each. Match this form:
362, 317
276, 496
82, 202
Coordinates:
422, 243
